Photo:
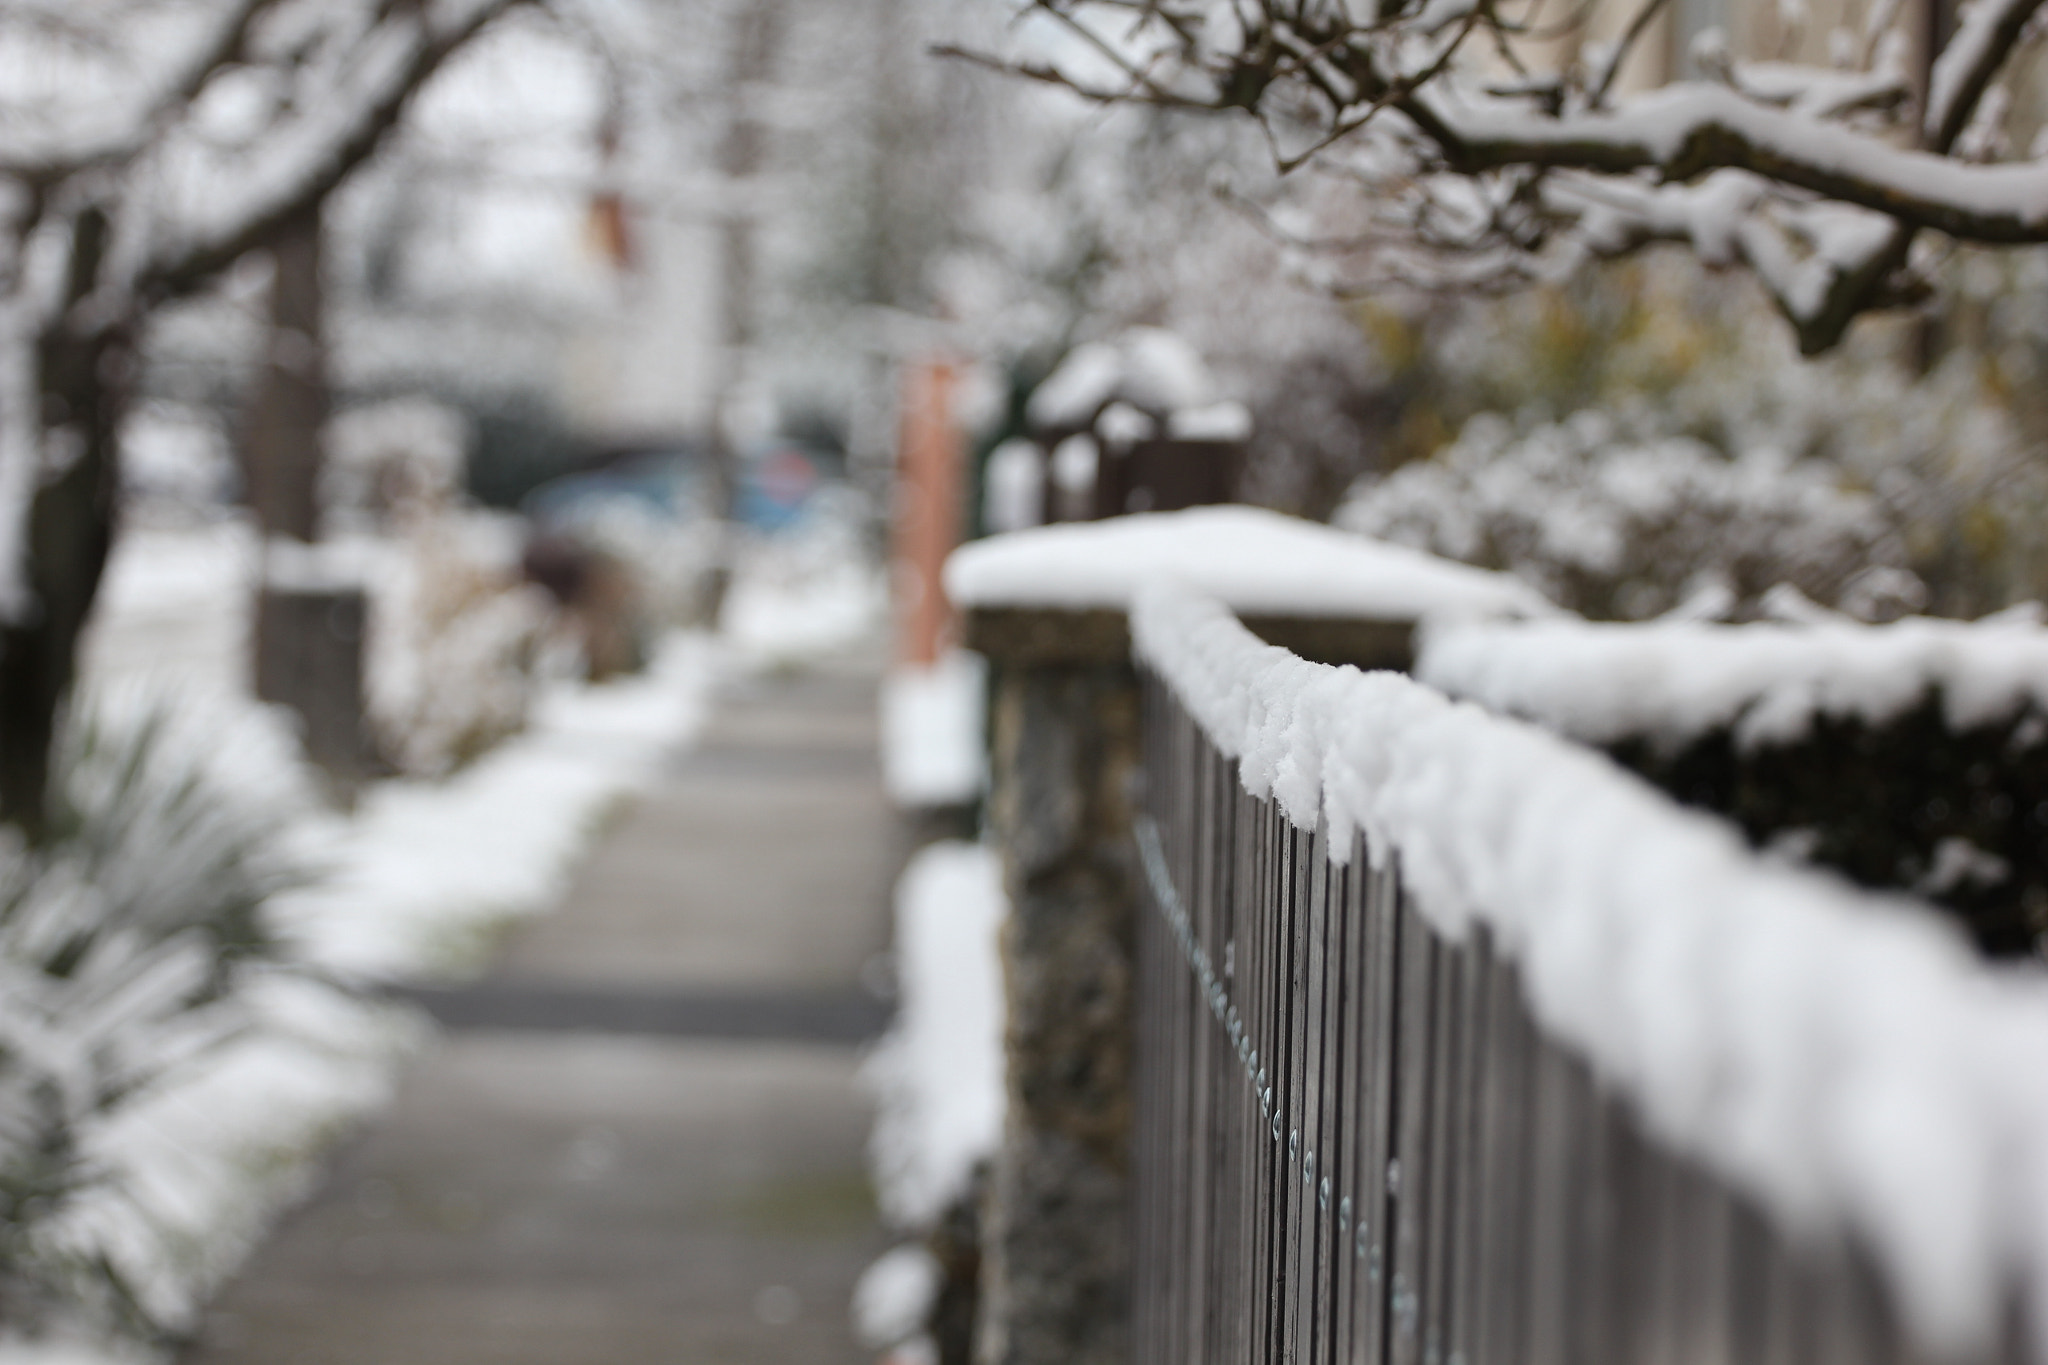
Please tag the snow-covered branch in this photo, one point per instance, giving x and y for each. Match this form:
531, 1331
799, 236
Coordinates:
145, 147
1818, 178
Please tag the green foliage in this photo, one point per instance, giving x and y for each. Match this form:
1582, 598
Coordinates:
124, 934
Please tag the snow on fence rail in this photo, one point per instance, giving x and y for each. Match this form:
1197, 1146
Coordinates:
1555, 1071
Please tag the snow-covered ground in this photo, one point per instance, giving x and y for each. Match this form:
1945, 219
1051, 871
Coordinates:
414, 882
938, 1075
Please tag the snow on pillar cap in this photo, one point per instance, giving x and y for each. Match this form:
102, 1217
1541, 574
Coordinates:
1251, 560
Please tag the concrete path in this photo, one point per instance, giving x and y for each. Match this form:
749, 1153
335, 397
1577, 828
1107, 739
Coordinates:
642, 1140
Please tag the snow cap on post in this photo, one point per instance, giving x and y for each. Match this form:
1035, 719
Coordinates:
1253, 561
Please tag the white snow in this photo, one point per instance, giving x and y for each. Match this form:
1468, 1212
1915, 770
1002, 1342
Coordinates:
1225, 421
1672, 681
805, 593
1075, 463
1150, 367
323, 566
933, 747
423, 872
1843, 1058
939, 1073
1256, 561
1013, 486
893, 1296
1121, 425
1084, 381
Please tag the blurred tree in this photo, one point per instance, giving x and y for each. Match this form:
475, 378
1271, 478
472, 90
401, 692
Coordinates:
151, 145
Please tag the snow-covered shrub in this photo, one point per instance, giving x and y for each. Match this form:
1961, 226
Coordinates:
1624, 526
1668, 349
456, 637
124, 936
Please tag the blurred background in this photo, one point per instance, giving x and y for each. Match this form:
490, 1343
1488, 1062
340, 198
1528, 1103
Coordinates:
488, 762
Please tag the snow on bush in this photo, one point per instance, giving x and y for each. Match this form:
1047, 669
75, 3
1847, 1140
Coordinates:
1843, 1058
1664, 349
127, 936
1624, 526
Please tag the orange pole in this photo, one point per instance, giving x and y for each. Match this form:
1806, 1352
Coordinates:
928, 490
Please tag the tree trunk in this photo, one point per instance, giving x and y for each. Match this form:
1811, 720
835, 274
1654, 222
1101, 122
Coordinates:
755, 38
281, 443
308, 635
83, 373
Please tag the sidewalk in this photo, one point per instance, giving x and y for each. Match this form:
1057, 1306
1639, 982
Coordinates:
642, 1139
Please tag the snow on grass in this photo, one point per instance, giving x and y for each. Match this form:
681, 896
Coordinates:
1843, 1058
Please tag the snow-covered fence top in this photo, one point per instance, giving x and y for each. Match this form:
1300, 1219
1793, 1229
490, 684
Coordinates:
1670, 682
1257, 562
1842, 1058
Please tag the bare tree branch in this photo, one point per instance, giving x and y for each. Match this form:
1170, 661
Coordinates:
1831, 199
191, 265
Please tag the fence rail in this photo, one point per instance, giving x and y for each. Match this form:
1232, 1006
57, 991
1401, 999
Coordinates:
1354, 1145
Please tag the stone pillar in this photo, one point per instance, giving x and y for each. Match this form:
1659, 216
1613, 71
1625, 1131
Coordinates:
1056, 1242
1064, 782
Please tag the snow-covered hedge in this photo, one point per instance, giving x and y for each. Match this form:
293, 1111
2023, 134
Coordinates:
1627, 524
1910, 755
1674, 681
1846, 1059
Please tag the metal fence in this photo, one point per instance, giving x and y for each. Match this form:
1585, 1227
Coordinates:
1353, 1144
